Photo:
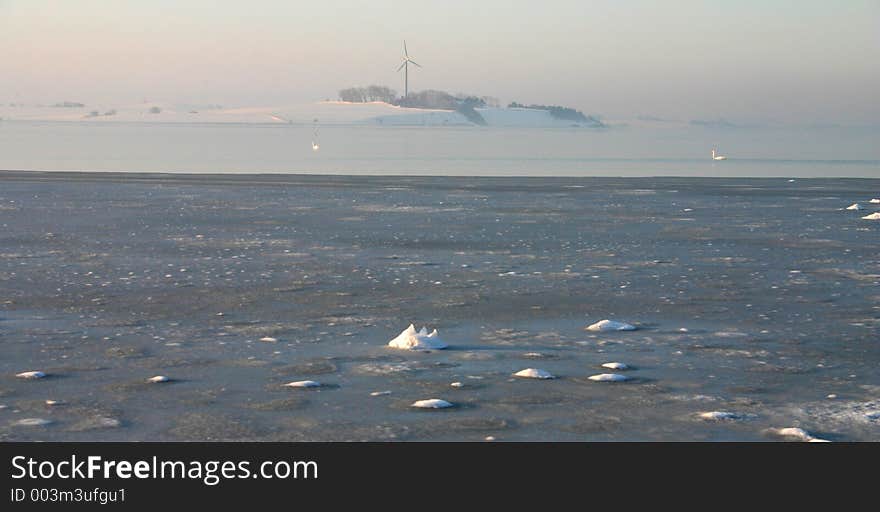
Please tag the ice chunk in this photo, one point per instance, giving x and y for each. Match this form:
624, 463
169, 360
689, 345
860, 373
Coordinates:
608, 377
610, 325
409, 339
304, 384
30, 375
32, 422
798, 434
534, 373
718, 416
432, 403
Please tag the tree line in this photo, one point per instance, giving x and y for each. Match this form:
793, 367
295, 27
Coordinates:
368, 93
429, 98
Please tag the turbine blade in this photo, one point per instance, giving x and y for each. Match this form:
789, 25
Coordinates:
414, 62
404, 48
401, 66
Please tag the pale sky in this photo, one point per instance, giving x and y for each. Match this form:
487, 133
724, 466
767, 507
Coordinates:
744, 61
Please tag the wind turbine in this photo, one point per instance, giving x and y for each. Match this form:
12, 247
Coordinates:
405, 67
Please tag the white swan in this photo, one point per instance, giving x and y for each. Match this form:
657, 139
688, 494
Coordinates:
718, 157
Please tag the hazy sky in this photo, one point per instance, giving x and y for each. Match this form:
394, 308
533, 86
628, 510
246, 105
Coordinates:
745, 61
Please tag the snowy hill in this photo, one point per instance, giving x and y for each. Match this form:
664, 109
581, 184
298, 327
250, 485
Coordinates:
326, 112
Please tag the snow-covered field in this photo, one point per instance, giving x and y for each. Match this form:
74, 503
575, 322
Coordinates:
326, 112
332, 112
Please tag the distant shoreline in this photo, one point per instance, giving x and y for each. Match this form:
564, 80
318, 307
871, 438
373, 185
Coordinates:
345, 179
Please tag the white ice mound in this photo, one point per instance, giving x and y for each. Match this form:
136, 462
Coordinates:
610, 325
718, 416
304, 384
534, 373
431, 403
409, 339
874, 201
873, 216
608, 377
158, 379
615, 366
798, 434
855, 206
32, 422
30, 375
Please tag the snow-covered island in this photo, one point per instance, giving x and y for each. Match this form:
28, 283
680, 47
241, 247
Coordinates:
425, 108
439, 108
492, 116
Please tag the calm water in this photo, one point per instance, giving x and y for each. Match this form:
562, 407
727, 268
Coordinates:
348, 149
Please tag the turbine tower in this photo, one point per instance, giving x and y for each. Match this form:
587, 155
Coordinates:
405, 67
